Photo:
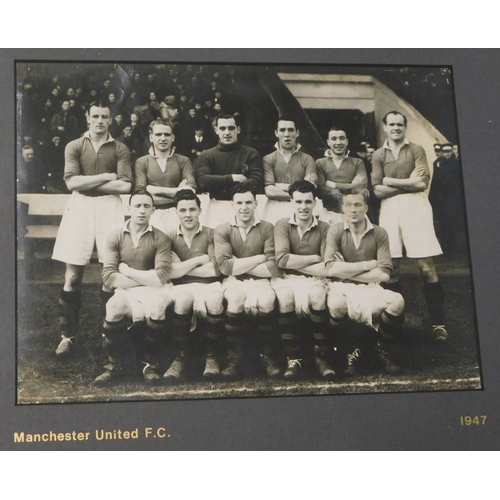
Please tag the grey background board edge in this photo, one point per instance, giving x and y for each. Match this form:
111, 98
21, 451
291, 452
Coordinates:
382, 421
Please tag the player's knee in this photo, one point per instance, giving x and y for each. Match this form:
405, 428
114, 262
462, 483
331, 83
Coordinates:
397, 305
116, 308
73, 277
317, 298
235, 299
286, 299
428, 269
337, 306
214, 302
266, 300
183, 303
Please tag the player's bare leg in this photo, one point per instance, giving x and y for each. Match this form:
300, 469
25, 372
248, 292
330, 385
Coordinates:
215, 320
181, 327
235, 326
69, 308
269, 335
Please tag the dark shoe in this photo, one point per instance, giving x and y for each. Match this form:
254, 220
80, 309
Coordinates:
385, 358
211, 368
65, 347
324, 368
352, 362
439, 333
272, 369
151, 375
230, 371
293, 369
111, 374
173, 374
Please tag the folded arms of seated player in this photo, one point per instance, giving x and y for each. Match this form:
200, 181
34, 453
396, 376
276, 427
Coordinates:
365, 271
375, 270
200, 267
260, 265
118, 274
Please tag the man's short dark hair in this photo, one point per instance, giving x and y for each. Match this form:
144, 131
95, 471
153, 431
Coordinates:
161, 121
286, 119
303, 187
362, 191
98, 104
141, 190
384, 119
243, 187
225, 116
336, 128
186, 194
26, 147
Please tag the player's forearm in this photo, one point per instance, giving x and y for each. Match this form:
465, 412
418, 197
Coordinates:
348, 269
417, 188
246, 264
298, 262
373, 276
145, 278
205, 271
402, 183
85, 182
161, 191
318, 269
119, 280
276, 193
386, 191
180, 269
115, 187
261, 271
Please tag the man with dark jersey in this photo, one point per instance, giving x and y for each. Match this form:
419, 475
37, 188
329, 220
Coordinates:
97, 170
195, 270
300, 242
244, 249
163, 173
336, 173
400, 177
282, 168
137, 265
219, 169
357, 253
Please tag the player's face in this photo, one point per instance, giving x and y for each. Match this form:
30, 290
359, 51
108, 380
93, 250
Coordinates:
99, 120
162, 137
395, 127
337, 140
304, 204
455, 150
287, 135
227, 130
141, 209
354, 208
188, 213
244, 205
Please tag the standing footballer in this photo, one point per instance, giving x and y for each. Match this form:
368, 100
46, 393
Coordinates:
400, 177
97, 170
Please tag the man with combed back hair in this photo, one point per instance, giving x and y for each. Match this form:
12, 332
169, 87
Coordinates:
97, 170
244, 249
357, 254
400, 177
300, 242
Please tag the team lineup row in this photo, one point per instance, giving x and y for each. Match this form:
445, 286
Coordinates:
167, 271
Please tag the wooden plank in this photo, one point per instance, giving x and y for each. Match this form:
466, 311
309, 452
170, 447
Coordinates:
41, 232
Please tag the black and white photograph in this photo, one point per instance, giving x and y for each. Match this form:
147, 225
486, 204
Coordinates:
207, 230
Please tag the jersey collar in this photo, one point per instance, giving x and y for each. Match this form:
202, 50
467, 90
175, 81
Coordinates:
87, 136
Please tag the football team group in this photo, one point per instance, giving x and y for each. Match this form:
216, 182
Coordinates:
311, 280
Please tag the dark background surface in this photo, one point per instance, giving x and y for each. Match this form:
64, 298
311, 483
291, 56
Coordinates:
385, 421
